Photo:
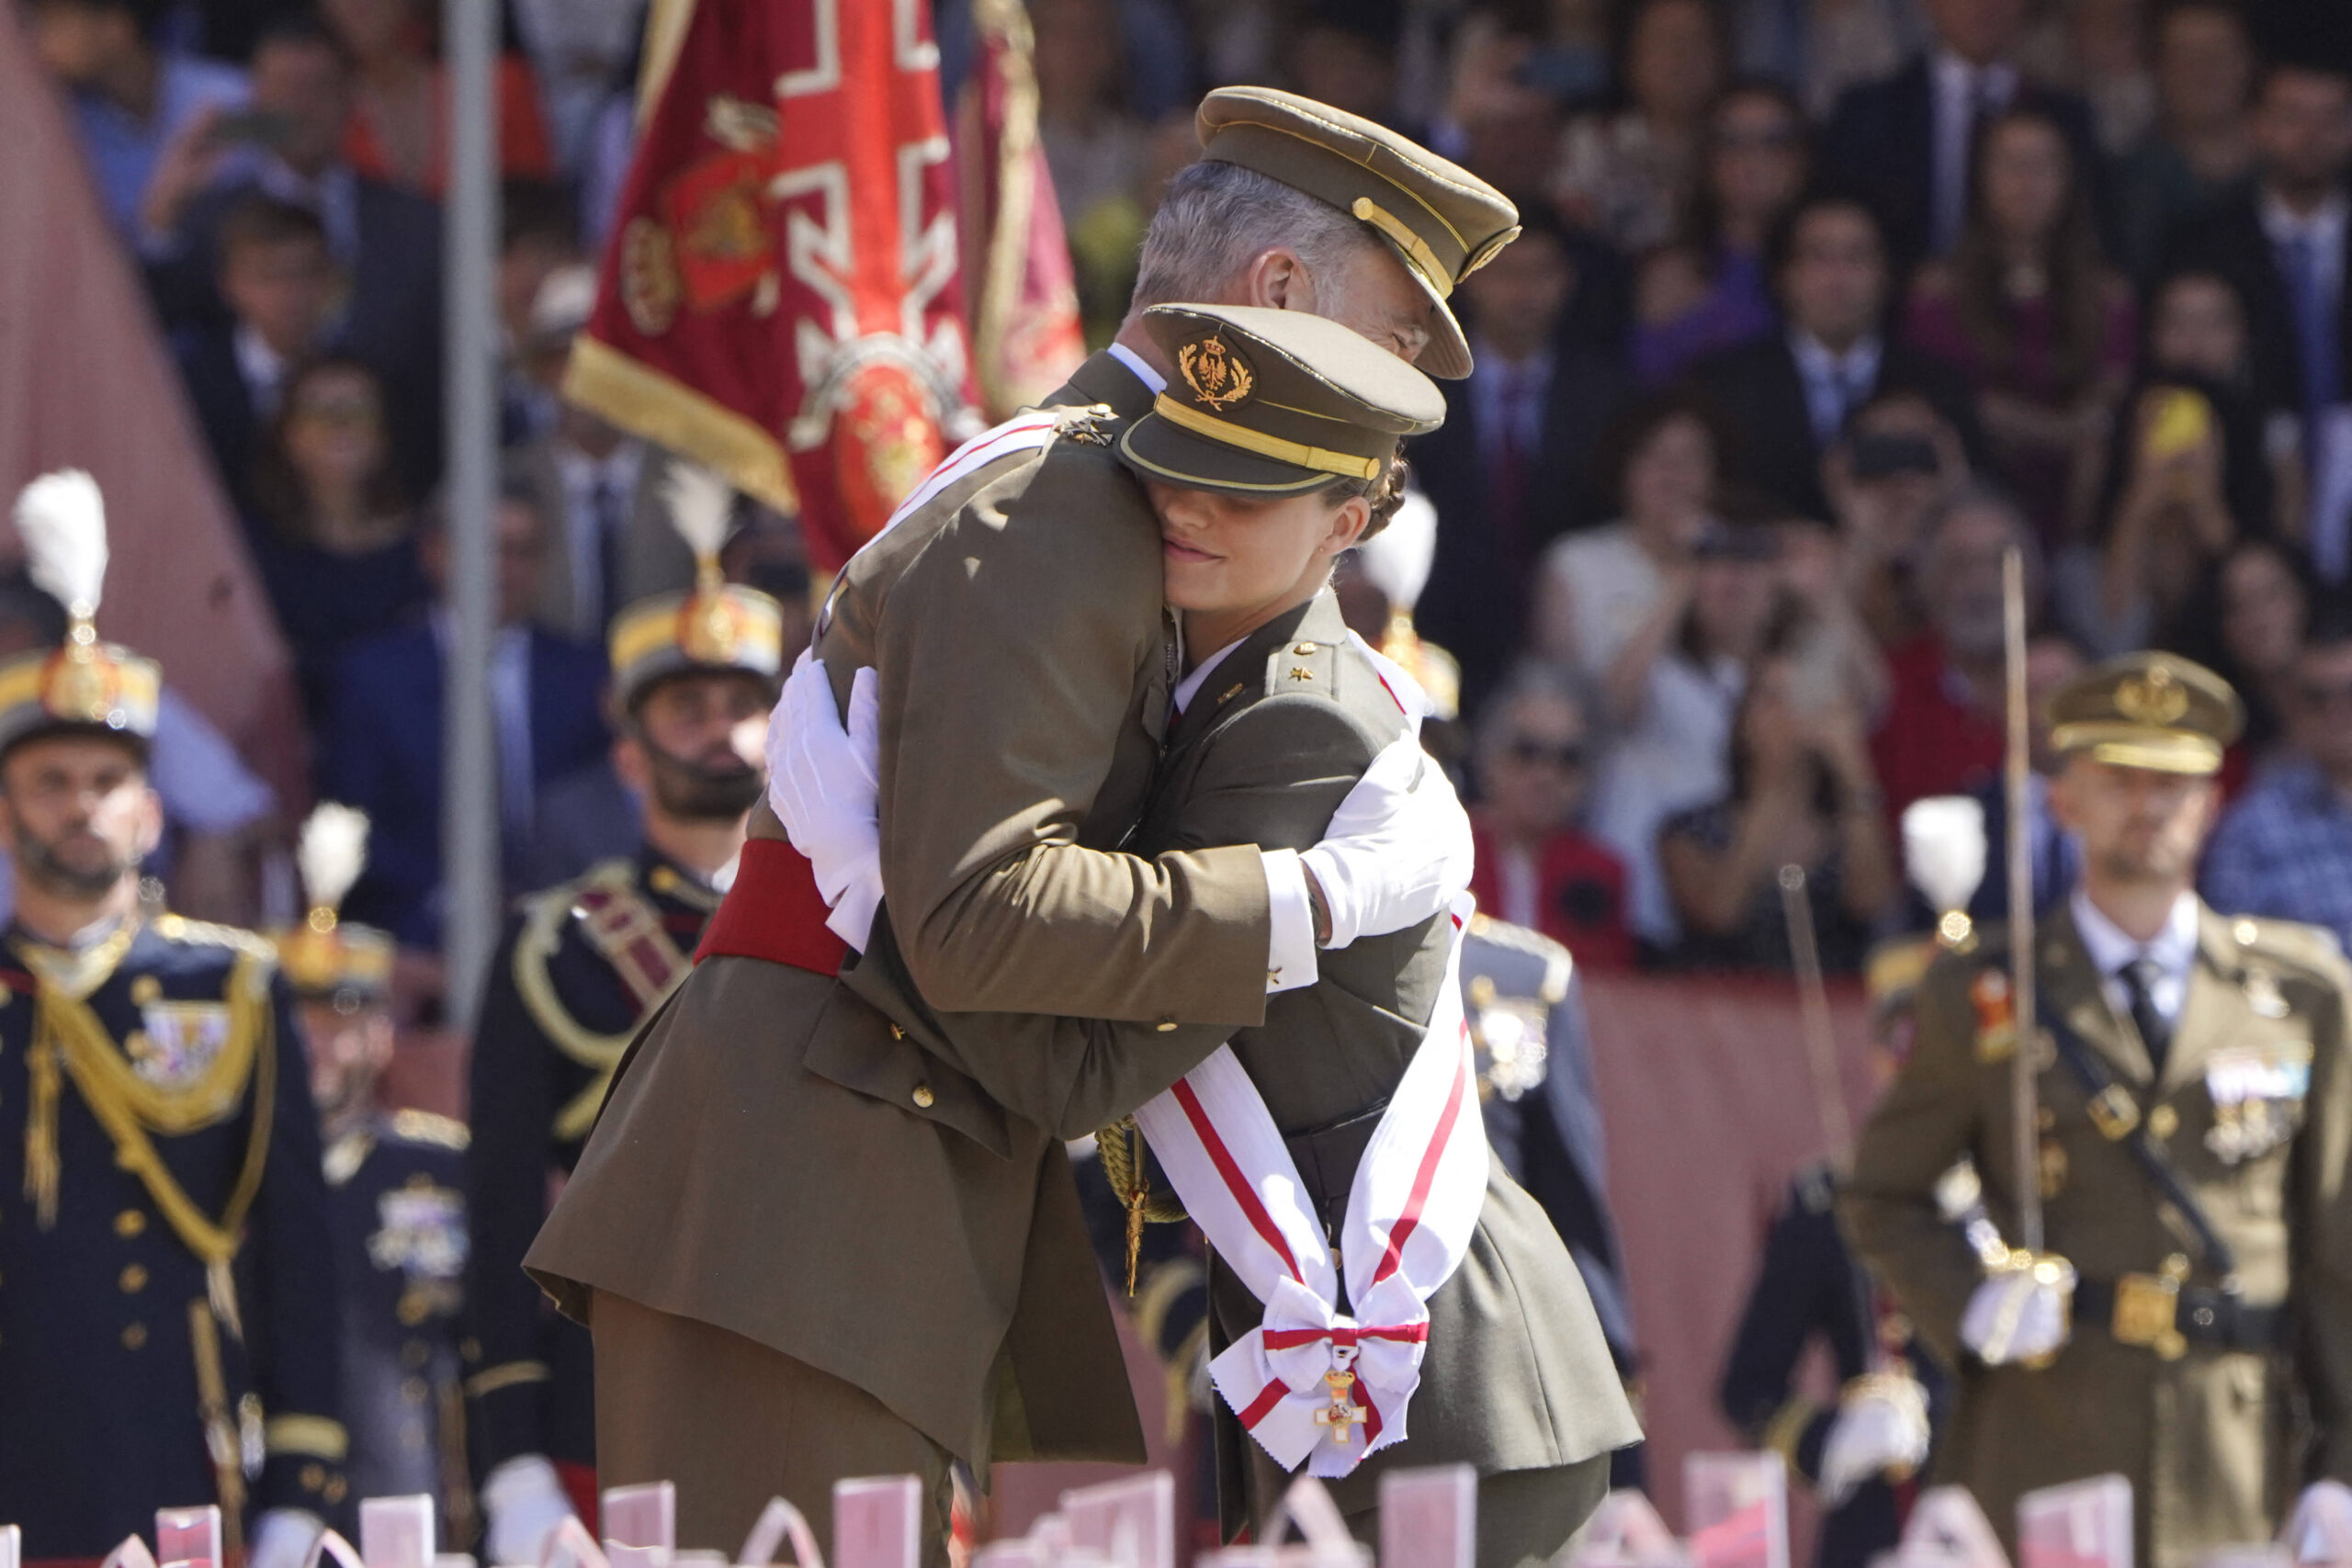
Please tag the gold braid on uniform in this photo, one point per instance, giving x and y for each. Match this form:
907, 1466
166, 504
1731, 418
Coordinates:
67, 1032
1120, 1147
542, 937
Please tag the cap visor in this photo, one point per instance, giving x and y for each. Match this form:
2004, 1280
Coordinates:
1159, 450
2160, 756
1447, 357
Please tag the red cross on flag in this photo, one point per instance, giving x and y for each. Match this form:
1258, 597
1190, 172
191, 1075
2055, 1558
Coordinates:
779, 298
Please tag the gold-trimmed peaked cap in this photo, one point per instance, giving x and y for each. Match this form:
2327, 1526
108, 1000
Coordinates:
327, 957
1274, 403
1443, 221
714, 627
2147, 710
85, 687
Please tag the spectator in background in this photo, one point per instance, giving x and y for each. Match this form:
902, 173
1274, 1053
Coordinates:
2281, 241
1803, 793
1509, 471
1707, 291
1618, 588
2198, 147
2197, 340
2285, 849
137, 106
2025, 308
386, 243
1820, 48
2246, 622
1897, 462
1672, 717
330, 527
576, 47
400, 131
1945, 729
2098, 50
1906, 142
1786, 396
1536, 867
380, 747
538, 236
1343, 53
1097, 149
278, 285
1626, 174
2052, 659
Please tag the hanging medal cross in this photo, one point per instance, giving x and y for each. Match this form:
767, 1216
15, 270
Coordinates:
1343, 1413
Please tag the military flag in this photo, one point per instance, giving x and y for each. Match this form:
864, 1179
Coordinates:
779, 298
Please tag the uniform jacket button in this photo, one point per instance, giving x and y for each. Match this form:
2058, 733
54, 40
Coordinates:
923, 1096
1166, 1026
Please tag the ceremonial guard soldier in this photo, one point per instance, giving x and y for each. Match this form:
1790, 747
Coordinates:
694, 675
395, 1198
167, 1309
2192, 1118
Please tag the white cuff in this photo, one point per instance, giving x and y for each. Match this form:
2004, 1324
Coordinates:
1290, 956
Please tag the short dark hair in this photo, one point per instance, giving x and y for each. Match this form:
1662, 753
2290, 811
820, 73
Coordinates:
2329, 624
536, 210
2278, 65
147, 15
1780, 246
515, 487
1635, 427
299, 29
258, 218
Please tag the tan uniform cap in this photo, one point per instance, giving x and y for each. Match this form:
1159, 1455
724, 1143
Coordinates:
2147, 710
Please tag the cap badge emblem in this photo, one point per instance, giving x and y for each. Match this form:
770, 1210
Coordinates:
1217, 376
2155, 698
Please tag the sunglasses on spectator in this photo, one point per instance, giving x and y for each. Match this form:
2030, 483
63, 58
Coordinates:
2315, 695
1528, 751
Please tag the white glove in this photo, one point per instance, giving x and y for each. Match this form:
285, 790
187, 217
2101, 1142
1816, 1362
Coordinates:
1397, 850
1881, 1429
825, 783
2321, 1530
2021, 1313
526, 1503
283, 1539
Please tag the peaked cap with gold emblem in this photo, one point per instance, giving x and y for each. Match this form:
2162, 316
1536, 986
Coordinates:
327, 957
2147, 710
714, 627
1443, 221
86, 687
1274, 403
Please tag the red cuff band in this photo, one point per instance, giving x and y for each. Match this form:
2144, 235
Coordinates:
775, 912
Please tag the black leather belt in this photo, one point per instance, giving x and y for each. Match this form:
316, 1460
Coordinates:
1327, 1157
2160, 1315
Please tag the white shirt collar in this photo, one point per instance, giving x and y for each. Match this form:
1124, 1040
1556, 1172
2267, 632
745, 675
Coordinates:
2173, 950
263, 367
1955, 77
2323, 224
1189, 686
1136, 363
1814, 357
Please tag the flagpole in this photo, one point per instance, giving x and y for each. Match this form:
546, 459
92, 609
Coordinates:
469, 782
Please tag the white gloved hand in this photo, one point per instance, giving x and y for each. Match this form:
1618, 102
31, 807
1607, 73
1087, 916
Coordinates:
283, 1539
1397, 850
526, 1502
2021, 1313
2321, 1530
824, 782
1881, 1429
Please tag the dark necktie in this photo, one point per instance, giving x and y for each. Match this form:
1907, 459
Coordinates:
1509, 495
2139, 979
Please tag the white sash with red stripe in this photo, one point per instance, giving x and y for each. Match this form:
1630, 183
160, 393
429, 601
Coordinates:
1310, 1374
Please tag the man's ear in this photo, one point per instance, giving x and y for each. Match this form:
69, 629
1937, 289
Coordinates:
1279, 280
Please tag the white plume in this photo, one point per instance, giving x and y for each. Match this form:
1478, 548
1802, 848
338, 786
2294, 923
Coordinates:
701, 507
62, 520
1943, 849
332, 853
1397, 560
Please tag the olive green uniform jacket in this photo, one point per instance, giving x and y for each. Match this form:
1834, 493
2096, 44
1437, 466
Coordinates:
807, 1161
2209, 1441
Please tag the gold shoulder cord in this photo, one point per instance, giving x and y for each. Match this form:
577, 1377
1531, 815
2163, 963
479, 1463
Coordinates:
1120, 1147
541, 936
66, 1031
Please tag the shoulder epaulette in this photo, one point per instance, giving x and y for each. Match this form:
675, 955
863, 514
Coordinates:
179, 928
1559, 963
1090, 424
1303, 666
2310, 948
427, 1127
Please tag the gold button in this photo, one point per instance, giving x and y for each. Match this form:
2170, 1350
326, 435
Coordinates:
1303, 648
2164, 1120
1166, 1026
2177, 1265
336, 1489
134, 1280
923, 1096
129, 1223
415, 1353
412, 1309
896, 1032
313, 1477
2246, 932
134, 1336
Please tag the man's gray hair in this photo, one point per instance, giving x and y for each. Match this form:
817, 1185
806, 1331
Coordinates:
1217, 217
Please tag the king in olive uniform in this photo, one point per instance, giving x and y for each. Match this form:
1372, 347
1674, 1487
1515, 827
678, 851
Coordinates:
395, 1196
2191, 1324
694, 674
168, 1303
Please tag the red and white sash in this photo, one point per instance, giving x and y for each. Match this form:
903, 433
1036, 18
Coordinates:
1309, 1375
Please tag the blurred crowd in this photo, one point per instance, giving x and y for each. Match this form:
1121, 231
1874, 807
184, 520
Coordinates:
1820, 306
